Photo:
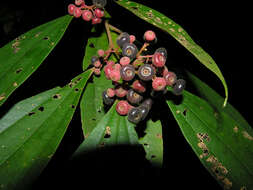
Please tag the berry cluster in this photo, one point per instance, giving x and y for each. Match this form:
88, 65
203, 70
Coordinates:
138, 79
95, 12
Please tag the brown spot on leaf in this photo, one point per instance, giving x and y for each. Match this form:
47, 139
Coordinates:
19, 70
91, 45
37, 34
107, 132
227, 183
15, 84
202, 145
159, 136
2, 96
31, 113
247, 135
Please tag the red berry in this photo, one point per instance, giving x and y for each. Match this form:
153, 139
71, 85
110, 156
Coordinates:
78, 2
99, 13
71, 8
97, 71
115, 75
170, 78
87, 15
110, 92
77, 12
101, 53
132, 39
120, 91
149, 35
127, 72
165, 70
158, 60
159, 84
124, 61
97, 64
117, 67
139, 86
96, 20
122, 107
108, 69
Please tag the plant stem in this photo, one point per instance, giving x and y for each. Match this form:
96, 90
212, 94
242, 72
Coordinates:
145, 45
109, 35
113, 28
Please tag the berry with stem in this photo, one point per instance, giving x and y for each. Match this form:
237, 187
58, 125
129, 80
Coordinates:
146, 72
162, 51
134, 115
127, 72
149, 36
99, 13
179, 87
78, 2
124, 61
77, 12
170, 78
96, 20
158, 60
122, 107
106, 99
159, 84
129, 50
87, 15
139, 86
122, 39
120, 91
110, 92
133, 97
71, 8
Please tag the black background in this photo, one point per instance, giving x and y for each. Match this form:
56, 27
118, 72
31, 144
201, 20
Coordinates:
220, 30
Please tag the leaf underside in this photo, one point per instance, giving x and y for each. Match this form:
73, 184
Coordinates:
32, 130
22, 56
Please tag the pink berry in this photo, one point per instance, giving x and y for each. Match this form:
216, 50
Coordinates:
101, 53
139, 86
97, 64
117, 67
108, 69
97, 71
96, 20
87, 15
149, 35
120, 92
110, 92
132, 38
71, 8
122, 107
99, 13
170, 78
124, 61
78, 2
165, 71
115, 75
77, 12
158, 60
159, 84
110, 62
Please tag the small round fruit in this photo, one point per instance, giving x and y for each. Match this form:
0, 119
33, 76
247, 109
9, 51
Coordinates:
179, 87
129, 50
122, 39
170, 78
133, 97
77, 12
122, 107
110, 92
144, 111
87, 15
163, 51
97, 71
101, 53
149, 36
94, 59
134, 115
97, 64
158, 60
132, 39
146, 72
71, 8
96, 20
124, 61
139, 86
120, 91
99, 13
127, 72
78, 2
114, 75
106, 99
108, 69
148, 103
159, 84
99, 3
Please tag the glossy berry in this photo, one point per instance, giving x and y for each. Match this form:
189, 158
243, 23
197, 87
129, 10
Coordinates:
78, 2
179, 86
108, 69
133, 97
87, 15
146, 72
149, 36
165, 71
106, 99
99, 13
99, 3
94, 59
158, 60
77, 12
122, 39
132, 39
71, 8
159, 84
101, 53
97, 71
117, 66
134, 115
170, 78
120, 91
127, 72
110, 92
97, 64
163, 51
122, 107
115, 75
129, 50
96, 20
139, 86
144, 111
124, 61
148, 103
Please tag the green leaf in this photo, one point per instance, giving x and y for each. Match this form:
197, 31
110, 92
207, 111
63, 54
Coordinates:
32, 130
22, 56
176, 31
153, 143
112, 130
223, 145
92, 108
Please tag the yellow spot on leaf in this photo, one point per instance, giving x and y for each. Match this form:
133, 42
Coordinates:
247, 135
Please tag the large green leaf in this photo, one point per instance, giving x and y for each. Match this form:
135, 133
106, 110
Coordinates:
224, 145
176, 31
22, 56
92, 108
32, 130
153, 143
111, 130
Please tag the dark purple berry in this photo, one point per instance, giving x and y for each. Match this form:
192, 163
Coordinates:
146, 72
127, 72
134, 115
129, 50
122, 39
106, 99
162, 51
99, 3
179, 86
144, 111
148, 103
133, 97
94, 59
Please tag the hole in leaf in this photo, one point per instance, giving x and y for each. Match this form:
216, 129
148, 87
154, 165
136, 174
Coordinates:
184, 112
19, 70
76, 89
57, 96
145, 144
153, 156
41, 109
46, 38
93, 119
73, 106
31, 113
91, 45
79, 79
135, 8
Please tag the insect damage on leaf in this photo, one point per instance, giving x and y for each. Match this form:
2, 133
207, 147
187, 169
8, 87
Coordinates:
202, 145
247, 135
